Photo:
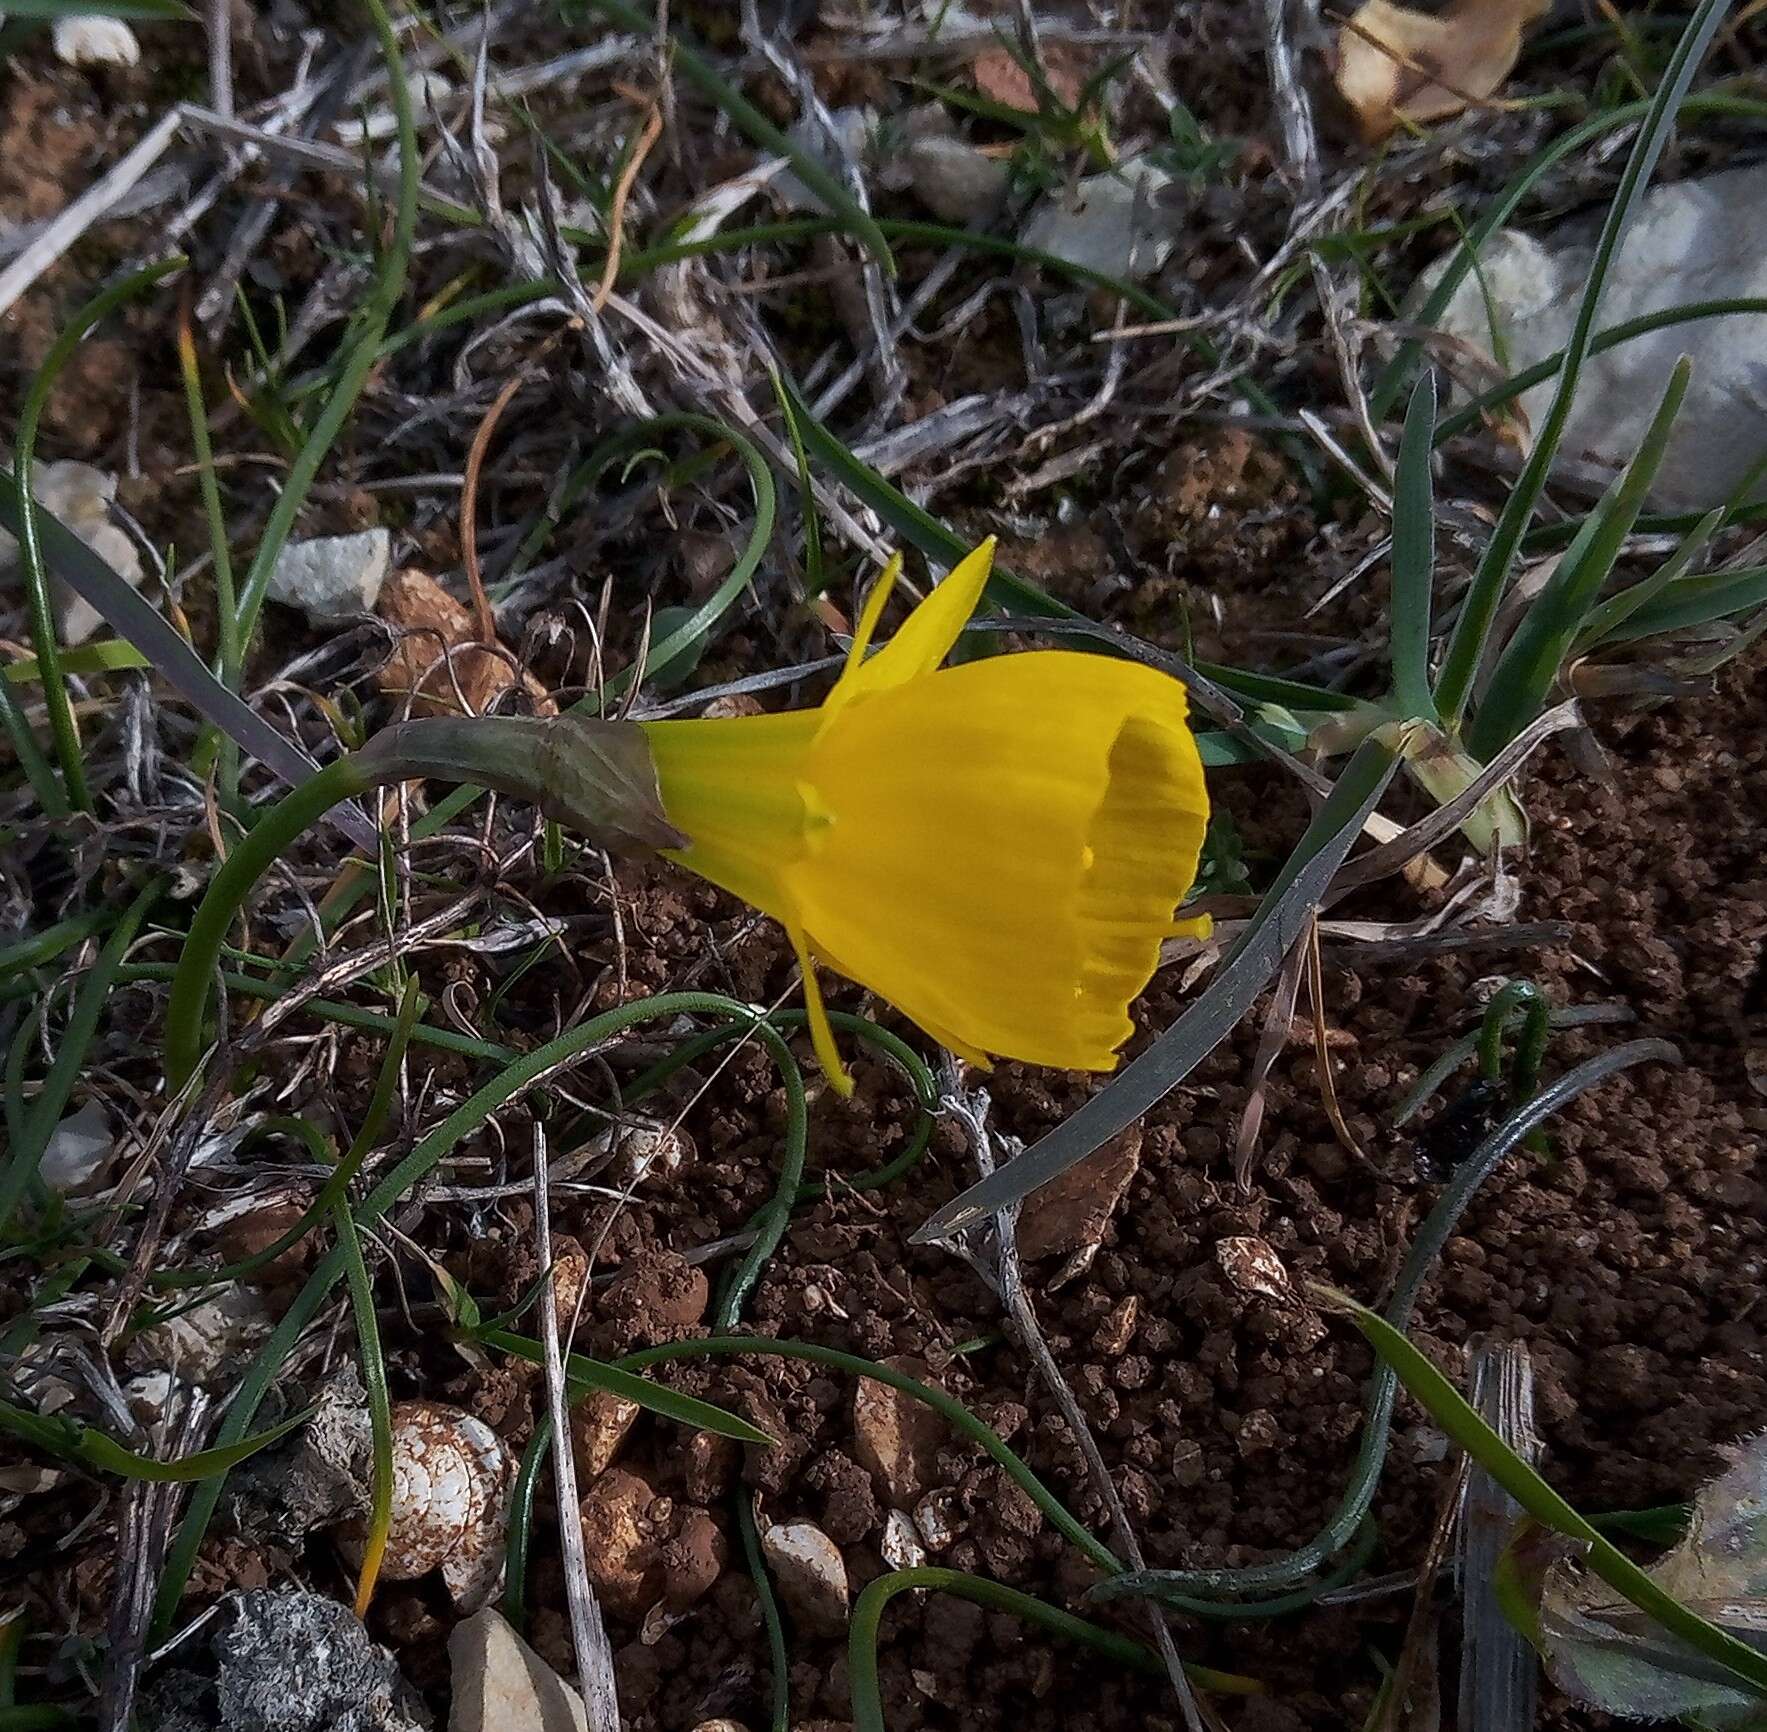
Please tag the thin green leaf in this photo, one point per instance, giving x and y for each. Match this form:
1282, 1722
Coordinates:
70, 1055
362, 344
1722, 104
1466, 645
1414, 557
592, 1374
1268, 938
36, 577
1696, 601
1530, 662
68, 1440
814, 581
1474, 410
1613, 613
1455, 1415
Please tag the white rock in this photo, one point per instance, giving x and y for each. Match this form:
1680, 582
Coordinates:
333, 577
811, 1573
1697, 240
428, 90
91, 39
852, 128
78, 1149
501, 1685
901, 1545
1122, 224
80, 496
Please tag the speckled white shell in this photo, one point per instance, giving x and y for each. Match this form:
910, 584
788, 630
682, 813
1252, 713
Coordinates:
451, 1479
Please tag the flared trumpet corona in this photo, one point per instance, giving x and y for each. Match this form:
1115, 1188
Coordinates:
997, 848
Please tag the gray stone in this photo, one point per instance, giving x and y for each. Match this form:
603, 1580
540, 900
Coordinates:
501, 1685
1122, 224
334, 577
297, 1662
79, 495
1697, 240
78, 1150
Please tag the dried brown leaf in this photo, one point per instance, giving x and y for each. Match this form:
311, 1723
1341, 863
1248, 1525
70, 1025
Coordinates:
1395, 64
430, 621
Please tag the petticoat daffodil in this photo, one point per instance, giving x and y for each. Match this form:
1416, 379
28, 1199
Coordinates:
996, 848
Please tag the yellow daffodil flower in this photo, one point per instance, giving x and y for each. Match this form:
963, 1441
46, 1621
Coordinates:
996, 848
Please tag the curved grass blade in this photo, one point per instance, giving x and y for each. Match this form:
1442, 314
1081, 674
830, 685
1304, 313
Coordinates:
142, 624
1467, 643
1696, 601
1717, 103
1530, 661
1613, 613
141, 11
1474, 410
1455, 1415
42, 615
70, 1055
697, 70
68, 1440
592, 1374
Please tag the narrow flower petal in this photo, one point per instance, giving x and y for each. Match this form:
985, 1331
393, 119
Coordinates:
925, 638
1006, 843
828, 1055
872, 612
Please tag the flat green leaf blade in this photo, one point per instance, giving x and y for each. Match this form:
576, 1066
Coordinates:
652, 1397
1414, 556
1279, 922
1530, 661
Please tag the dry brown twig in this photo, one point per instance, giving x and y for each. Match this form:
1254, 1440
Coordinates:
616, 216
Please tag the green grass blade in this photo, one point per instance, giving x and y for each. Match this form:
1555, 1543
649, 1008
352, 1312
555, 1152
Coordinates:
1414, 557
1696, 601
1467, 643
36, 577
1613, 613
1463, 1426
131, 614
588, 1374
1719, 104
70, 1441
70, 1055
363, 342
39, 772
1474, 410
1529, 665
141, 11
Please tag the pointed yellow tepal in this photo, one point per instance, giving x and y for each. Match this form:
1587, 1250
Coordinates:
996, 848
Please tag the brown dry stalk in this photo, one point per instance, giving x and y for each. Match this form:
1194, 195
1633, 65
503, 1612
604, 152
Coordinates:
1328, 1088
616, 216
483, 618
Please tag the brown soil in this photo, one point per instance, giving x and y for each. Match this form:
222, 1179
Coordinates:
1629, 1259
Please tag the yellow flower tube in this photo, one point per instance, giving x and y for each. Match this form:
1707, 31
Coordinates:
998, 848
